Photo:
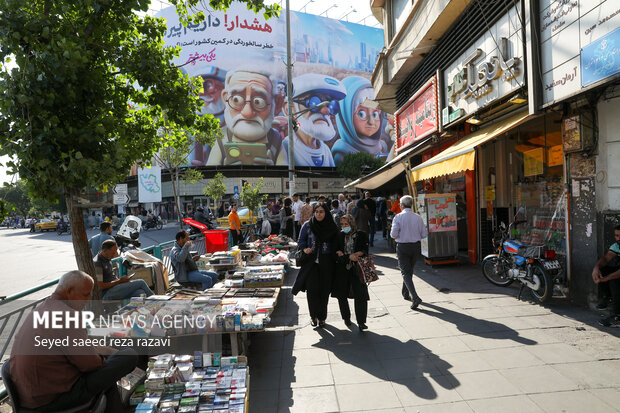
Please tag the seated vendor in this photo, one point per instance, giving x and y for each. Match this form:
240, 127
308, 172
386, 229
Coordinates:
60, 377
112, 287
185, 266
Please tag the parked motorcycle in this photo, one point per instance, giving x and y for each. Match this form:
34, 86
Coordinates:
533, 266
154, 222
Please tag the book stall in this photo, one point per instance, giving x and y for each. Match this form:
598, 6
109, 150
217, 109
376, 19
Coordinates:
193, 369
202, 382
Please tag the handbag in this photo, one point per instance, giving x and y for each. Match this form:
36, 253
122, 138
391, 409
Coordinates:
301, 258
366, 269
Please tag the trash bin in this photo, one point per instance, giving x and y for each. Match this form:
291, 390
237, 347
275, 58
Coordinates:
216, 240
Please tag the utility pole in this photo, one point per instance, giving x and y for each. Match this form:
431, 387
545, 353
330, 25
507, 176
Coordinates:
289, 98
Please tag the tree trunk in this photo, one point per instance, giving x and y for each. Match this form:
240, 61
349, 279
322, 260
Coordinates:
83, 255
175, 188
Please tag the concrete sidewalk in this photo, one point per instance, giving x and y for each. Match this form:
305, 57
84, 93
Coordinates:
471, 347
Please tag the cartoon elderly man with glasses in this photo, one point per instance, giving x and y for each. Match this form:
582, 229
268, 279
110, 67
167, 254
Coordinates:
249, 112
315, 99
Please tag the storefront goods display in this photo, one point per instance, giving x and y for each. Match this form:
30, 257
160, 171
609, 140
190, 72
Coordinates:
439, 214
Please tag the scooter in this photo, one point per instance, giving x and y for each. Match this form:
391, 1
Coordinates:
127, 236
534, 266
63, 227
154, 222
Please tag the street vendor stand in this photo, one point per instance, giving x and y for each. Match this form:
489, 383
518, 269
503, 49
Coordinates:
241, 303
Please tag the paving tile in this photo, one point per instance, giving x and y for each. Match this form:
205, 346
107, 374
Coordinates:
487, 341
539, 379
308, 357
363, 372
410, 367
265, 378
465, 362
593, 374
510, 404
558, 353
426, 390
444, 345
397, 410
368, 396
308, 376
484, 385
425, 329
571, 402
263, 401
609, 396
308, 400
456, 407
396, 349
508, 358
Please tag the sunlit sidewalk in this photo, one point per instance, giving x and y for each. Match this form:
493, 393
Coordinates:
471, 347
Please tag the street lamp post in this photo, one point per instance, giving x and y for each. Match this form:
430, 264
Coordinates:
289, 94
306, 5
331, 7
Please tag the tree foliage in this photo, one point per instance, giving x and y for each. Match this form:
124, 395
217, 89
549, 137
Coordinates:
356, 164
23, 204
216, 188
252, 196
92, 84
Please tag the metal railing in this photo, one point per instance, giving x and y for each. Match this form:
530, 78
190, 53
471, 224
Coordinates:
10, 321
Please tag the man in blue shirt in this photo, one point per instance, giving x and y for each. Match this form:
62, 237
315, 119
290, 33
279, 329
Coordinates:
184, 265
105, 233
606, 274
408, 230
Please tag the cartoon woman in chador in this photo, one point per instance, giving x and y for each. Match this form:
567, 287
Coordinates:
360, 127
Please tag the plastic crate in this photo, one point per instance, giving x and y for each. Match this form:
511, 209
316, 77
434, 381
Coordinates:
216, 240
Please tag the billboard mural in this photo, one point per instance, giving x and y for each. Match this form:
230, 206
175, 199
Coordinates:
241, 58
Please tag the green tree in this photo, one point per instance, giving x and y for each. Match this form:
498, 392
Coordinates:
17, 195
176, 158
5, 209
92, 84
356, 164
251, 196
216, 188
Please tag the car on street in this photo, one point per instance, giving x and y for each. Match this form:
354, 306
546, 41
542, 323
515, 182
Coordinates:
46, 225
244, 217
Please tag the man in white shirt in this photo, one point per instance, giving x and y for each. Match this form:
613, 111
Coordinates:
296, 206
342, 205
408, 230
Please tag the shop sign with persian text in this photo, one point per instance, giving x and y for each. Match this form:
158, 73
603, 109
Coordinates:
418, 118
488, 70
578, 45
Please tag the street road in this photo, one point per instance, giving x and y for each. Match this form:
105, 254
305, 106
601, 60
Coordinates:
28, 259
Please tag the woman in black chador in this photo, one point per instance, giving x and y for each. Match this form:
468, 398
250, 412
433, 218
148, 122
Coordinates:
347, 284
316, 246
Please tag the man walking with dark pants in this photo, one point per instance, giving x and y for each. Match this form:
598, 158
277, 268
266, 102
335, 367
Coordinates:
408, 230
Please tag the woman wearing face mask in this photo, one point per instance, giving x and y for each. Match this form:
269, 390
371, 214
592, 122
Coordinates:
352, 245
318, 241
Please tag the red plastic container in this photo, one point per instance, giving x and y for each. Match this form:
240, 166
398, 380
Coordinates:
216, 240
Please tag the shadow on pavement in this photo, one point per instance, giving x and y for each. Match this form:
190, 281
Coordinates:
474, 326
421, 365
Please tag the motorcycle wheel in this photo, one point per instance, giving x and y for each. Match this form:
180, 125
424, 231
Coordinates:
496, 271
159, 225
544, 293
145, 227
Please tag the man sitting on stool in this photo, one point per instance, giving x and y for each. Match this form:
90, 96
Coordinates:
65, 376
606, 274
112, 287
184, 266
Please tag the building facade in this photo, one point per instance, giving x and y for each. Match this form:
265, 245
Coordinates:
526, 93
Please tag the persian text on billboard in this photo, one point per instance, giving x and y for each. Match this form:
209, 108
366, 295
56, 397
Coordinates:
239, 57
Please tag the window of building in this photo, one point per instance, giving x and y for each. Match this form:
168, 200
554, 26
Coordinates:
399, 11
